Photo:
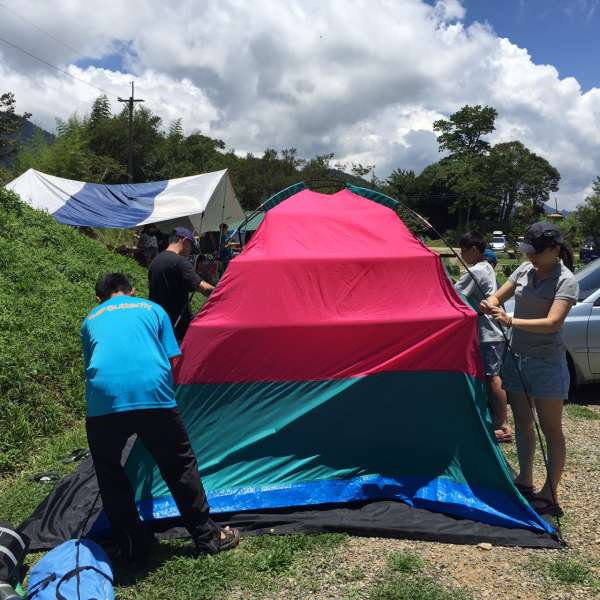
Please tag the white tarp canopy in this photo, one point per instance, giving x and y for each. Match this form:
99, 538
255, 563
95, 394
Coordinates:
202, 201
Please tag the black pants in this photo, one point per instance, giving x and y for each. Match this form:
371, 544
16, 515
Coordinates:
163, 434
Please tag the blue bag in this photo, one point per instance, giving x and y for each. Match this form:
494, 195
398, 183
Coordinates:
75, 569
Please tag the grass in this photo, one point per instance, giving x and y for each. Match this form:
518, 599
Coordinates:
405, 580
113, 238
47, 277
417, 588
258, 566
405, 562
18, 495
576, 411
565, 571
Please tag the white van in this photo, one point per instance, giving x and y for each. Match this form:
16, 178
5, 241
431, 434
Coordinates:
498, 241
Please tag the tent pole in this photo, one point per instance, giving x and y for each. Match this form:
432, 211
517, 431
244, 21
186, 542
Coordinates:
512, 354
222, 217
201, 221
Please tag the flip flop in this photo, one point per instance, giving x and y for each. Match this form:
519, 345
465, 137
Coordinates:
45, 477
548, 507
77, 454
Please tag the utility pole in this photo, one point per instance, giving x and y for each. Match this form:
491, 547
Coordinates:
130, 102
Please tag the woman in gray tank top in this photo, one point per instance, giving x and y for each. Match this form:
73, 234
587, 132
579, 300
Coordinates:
545, 290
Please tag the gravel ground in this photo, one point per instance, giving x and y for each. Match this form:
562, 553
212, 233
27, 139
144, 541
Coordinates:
485, 573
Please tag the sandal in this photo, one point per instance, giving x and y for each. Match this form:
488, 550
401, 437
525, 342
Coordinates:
230, 540
503, 438
527, 491
548, 507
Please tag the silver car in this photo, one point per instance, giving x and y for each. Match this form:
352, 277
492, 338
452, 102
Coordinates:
582, 327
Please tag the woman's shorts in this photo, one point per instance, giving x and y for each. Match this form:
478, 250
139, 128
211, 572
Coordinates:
544, 377
493, 354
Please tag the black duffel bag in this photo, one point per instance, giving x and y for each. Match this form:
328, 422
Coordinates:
13, 548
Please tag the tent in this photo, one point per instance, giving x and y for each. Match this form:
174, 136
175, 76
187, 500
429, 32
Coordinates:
333, 381
200, 201
243, 230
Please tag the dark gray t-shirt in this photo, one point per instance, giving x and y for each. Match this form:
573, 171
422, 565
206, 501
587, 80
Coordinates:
533, 299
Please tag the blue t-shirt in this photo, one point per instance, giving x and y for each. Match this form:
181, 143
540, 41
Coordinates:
127, 343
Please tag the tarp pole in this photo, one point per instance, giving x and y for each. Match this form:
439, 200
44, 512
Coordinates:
222, 217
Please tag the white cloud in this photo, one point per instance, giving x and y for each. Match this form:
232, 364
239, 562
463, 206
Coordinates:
364, 79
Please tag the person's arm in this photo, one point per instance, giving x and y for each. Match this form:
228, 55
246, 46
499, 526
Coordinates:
166, 336
550, 324
497, 299
205, 288
85, 346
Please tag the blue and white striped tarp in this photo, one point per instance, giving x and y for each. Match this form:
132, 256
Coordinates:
205, 201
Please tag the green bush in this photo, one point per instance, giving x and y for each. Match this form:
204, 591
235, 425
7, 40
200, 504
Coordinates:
509, 268
47, 277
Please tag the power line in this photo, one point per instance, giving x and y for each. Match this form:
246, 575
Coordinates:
56, 68
58, 41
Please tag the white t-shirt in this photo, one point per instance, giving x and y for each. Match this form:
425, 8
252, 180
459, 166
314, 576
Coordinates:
489, 331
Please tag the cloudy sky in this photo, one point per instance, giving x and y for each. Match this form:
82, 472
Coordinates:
362, 78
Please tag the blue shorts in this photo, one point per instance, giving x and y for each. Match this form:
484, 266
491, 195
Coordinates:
546, 377
493, 354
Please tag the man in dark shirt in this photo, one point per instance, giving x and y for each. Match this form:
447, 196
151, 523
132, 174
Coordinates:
172, 277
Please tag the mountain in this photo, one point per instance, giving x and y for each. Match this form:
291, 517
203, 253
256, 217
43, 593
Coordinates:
29, 131
27, 134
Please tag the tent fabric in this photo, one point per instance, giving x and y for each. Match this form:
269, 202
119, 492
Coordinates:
61, 515
335, 363
204, 201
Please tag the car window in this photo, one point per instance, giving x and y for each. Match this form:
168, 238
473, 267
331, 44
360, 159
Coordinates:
588, 279
498, 239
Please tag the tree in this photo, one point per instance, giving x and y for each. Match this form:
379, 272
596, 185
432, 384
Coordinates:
10, 126
462, 132
519, 178
588, 214
462, 136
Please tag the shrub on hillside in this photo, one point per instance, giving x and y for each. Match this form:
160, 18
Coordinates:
47, 277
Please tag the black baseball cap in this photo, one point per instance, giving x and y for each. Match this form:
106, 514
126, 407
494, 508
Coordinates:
539, 236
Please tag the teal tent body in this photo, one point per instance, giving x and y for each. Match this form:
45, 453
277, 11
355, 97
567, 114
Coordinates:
335, 363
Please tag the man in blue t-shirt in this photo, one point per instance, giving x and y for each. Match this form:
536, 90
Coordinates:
128, 345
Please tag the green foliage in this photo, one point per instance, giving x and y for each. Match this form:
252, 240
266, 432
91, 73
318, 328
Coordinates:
518, 177
476, 186
462, 133
576, 411
47, 277
415, 588
18, 495
481, 186
405, 580
10, 125
509, 268
405, 562
588, 214
253, 569
568, 571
